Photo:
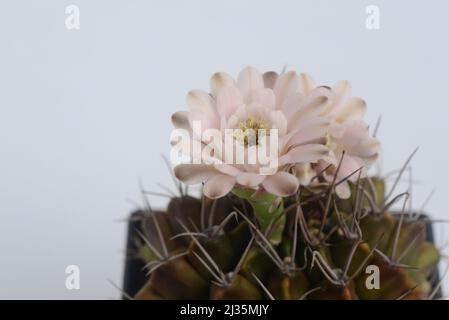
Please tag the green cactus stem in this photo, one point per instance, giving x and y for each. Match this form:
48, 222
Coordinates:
268, 209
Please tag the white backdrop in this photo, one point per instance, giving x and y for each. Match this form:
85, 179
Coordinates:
84, 114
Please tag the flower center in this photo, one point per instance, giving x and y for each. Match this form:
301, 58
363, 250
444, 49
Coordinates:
250, 131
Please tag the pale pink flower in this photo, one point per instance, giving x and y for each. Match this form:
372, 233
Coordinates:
257, 101
347, 132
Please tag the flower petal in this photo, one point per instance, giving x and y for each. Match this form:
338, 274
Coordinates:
279, 121
343, 190
286, 85
306, 83
229, 99
200, 121
219, 81
304, 153
282, 184
250, 179
194, 173
200, 101
367, 149
257, 111
342, 91
269, 79
309, 133
292, 104
218, 186
349, 165
180, 120
355, 132
318, 92
202, 109
354, 109
310, 111
304, 173
264, 97
249, 79
227, 169
337, 130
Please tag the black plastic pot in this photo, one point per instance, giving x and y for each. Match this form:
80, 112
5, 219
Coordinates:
135, 277
134, 274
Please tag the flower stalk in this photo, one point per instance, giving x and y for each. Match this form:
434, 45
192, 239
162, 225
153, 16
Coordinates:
268, 210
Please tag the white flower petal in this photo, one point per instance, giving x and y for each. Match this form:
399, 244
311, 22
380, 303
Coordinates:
279, 121
304, 173
219, 81
336, 130
355, 132
241, 113
254, 168
286, 85
282, 184
353, 109
342, 91
200, 101
218, 186
269, 79
367, 149
205, 122
250, 179
349, 165
194, 173
202, 109
292, 104
180, 120
249, 80
308, 113
232, 122
307, 134
306, 83
229, 99
227, 169
317, 92
343, 190
264, 97
257, 111
304, 153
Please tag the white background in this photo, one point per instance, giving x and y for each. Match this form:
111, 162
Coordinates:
85, 114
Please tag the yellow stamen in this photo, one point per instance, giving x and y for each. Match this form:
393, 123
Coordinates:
251, 128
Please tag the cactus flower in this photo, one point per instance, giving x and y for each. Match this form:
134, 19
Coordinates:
348, 133
268, 103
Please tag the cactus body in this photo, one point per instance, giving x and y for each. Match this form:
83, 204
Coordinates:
320, 248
